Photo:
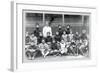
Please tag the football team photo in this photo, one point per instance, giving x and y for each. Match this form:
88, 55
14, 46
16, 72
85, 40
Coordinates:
49, 35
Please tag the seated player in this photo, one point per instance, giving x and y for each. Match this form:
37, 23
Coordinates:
68, 40
31, 51
84, 43
76, 37
64, 36
27, 38
37, 30
48, 39
44, 48
71, 36
83, 48
40, 38
54, 48
33, 39
57, 38
72, 48
83, 35
63, 48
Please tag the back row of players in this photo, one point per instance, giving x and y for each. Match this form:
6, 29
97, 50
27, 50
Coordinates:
64, 42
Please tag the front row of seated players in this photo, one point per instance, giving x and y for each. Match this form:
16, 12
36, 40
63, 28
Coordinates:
67, 44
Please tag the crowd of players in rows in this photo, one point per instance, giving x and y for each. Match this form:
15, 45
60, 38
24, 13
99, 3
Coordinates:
63, 43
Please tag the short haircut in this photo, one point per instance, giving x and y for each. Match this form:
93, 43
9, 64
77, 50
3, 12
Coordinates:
59, 25
37, 24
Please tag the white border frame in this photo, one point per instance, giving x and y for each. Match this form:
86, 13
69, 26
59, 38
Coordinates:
16, 51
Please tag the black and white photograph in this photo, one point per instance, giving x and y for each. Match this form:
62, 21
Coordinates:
50, 36
55, 36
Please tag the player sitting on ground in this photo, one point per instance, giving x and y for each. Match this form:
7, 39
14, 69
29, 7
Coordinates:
83, 48
72, 48
44, 48
63, 48
31, 51
54, 48
76, 38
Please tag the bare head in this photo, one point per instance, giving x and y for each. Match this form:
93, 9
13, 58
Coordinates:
37, 25
59, 26
43, 41
57, 33
40, 34
62, 41
64, 32
73, 40
83, 31
32, 43
71, 32
48, 33
68, 26
32, 35
26, 33
47, 23
53, 41
77, 33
